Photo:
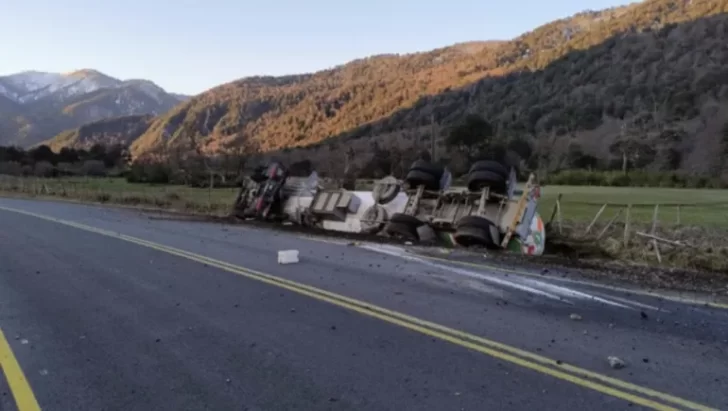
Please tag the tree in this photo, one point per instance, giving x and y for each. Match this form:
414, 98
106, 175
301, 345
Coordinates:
42, 153
576, 158
43, 169
93, 168
68, 155
632, 147
11, 154
473, 134
520, 146
97, 152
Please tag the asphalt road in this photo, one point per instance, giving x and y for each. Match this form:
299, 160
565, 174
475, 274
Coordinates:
107, 309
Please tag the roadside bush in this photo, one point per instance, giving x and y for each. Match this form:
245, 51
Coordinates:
11, 168
154, 173
93, 168
44, 169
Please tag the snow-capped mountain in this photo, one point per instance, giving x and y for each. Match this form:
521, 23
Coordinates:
52, 102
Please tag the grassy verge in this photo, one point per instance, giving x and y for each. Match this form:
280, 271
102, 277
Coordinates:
118, 191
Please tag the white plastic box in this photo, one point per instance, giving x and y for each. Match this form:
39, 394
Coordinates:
287, 256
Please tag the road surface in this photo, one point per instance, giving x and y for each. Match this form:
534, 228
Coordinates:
106, 309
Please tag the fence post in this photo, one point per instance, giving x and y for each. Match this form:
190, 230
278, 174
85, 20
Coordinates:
654, 227
609, 224
678, 214
559, 220
626, 225
596, 217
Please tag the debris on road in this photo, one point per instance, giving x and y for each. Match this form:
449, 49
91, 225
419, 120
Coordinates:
616, 362
287, 256
575, 317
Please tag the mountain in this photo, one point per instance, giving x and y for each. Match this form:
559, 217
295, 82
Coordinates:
117, 130
35, 106
642, 71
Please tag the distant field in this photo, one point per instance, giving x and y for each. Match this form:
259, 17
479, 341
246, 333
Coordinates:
578, 204
119, 191
696, 206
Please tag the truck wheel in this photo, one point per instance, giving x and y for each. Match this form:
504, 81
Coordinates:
477, 231
492, 166
373, 219
416, 178
477, 180
435, 170
385, 190
403, 226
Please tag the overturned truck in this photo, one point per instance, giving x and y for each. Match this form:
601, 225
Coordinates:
489, 211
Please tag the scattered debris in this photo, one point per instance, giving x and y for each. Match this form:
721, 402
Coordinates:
287, 256
616, 362
43, 372
575, 317
408, 243
24, 341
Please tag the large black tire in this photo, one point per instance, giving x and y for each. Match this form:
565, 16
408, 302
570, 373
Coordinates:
259, 174
477, 231
434, 169
492, 166
403, 226
477, 180
416, 178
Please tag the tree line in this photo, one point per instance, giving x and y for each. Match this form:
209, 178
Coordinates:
41, 161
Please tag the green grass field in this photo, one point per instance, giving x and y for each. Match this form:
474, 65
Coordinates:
578, 204
694, 206
119, 191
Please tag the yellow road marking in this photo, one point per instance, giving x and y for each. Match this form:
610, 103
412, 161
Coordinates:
19, 386
544, 365
597, 285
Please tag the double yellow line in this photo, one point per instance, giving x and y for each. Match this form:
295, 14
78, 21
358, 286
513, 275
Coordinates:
598, 382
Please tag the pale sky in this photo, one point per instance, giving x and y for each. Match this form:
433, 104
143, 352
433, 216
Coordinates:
188, 46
